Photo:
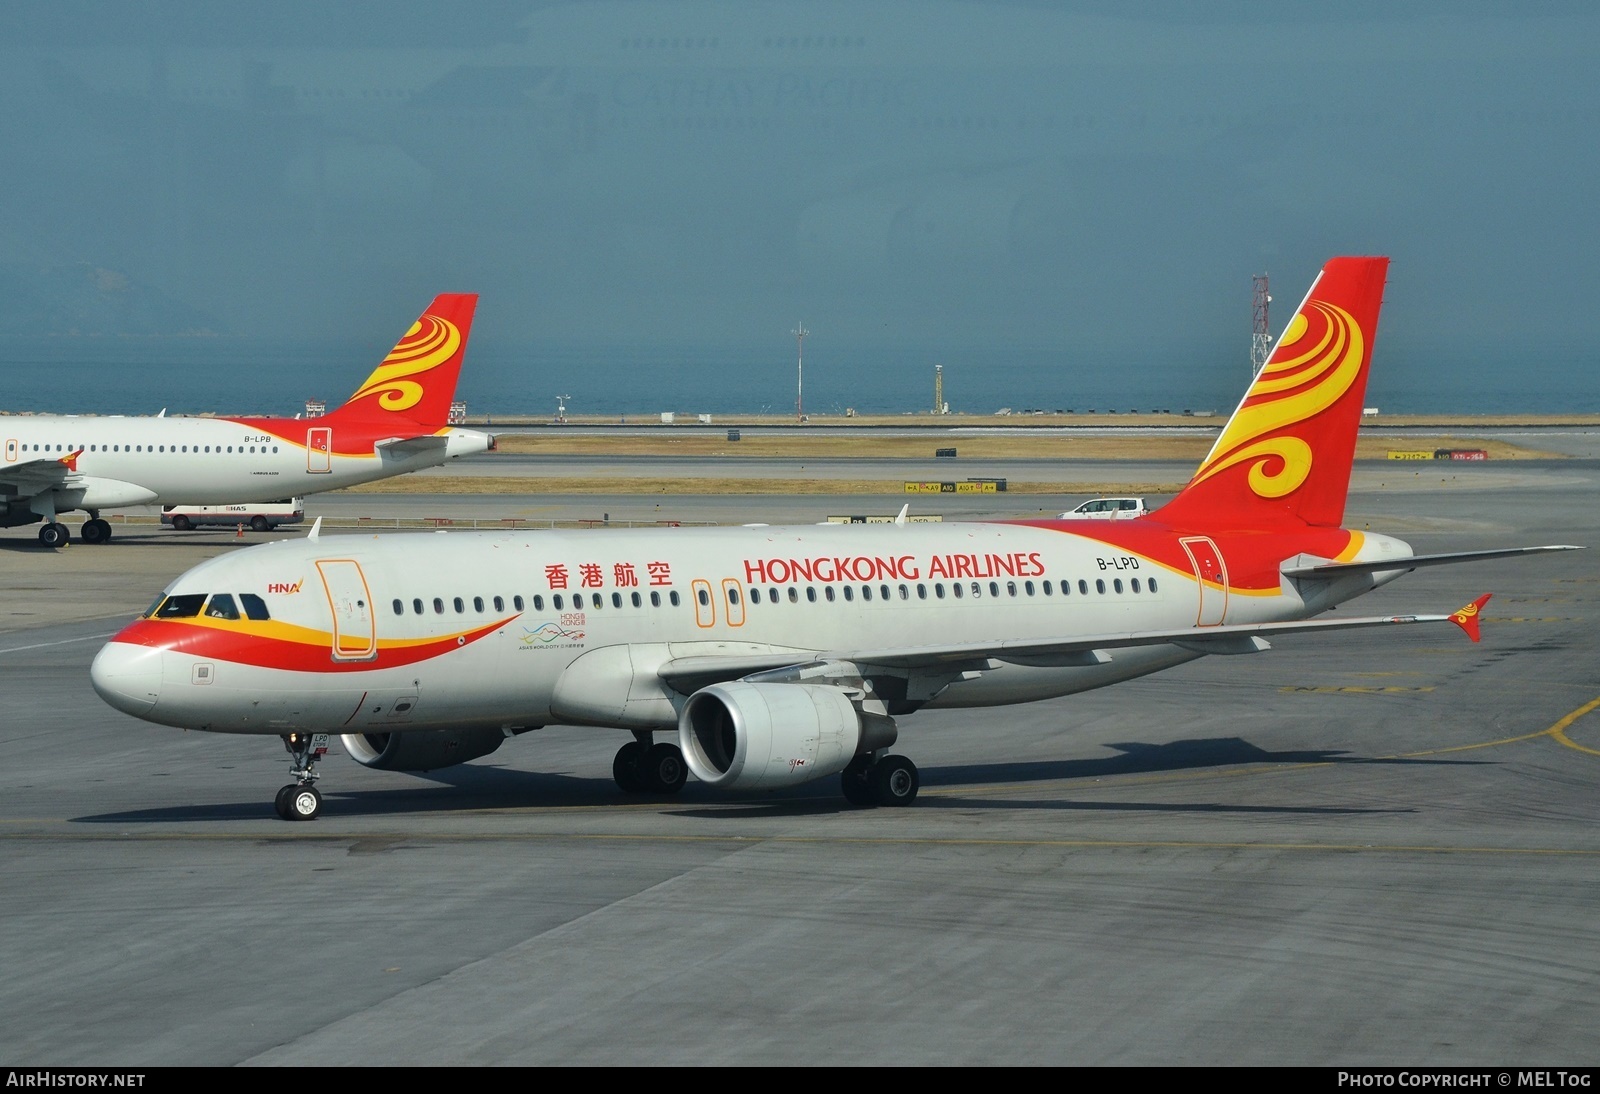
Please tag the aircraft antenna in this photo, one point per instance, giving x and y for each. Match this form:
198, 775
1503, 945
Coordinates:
800, 333
1261, 337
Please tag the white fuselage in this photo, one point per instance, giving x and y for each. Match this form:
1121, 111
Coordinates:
379, 633
207, 461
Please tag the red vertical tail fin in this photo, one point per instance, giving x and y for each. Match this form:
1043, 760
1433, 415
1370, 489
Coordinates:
1285, 455
417, 380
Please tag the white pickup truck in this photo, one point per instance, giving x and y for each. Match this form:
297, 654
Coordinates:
1107, 509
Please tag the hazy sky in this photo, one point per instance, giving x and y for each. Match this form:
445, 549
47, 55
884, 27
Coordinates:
1100, 175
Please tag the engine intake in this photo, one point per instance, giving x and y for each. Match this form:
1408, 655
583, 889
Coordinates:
742, 736
421, 749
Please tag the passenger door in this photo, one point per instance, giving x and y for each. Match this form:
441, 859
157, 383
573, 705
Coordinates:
1211, 579
319, 450
355, 636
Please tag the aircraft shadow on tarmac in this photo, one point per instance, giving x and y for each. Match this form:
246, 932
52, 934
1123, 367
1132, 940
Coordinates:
481, 788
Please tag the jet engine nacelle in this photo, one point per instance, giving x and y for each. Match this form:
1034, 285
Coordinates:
421, 749
741, 736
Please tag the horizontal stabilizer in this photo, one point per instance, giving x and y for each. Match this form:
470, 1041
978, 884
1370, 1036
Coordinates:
412, 446
1330, 570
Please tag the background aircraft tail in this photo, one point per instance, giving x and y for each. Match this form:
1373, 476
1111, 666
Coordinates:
1285, 455
417, 381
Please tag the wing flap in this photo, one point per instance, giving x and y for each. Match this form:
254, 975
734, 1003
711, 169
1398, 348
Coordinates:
37, 476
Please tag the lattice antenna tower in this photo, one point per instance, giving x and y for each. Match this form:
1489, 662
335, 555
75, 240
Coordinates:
800, 333
938, 389
1261, 336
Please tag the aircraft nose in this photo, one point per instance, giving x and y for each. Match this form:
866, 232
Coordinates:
128, 677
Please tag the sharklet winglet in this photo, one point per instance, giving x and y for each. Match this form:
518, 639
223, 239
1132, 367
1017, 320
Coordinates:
1466, 617
316, 529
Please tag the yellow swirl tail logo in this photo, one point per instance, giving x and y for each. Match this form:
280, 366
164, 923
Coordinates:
429, 343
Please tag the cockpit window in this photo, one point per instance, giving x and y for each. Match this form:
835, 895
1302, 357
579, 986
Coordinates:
154, 604
183, 606
254, 606
221, 606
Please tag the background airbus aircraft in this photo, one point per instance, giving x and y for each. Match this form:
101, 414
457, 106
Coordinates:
780, 655
397, 421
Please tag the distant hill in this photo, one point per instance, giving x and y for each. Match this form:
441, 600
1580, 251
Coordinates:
87, 300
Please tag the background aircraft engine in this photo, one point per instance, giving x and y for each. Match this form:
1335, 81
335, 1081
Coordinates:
421, 749
742, 736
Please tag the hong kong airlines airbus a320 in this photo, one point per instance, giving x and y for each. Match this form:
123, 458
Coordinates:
395, 422
771, 656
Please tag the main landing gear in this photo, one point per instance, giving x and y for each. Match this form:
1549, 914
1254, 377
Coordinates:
54, 534
885, 780
300, 801
645, 768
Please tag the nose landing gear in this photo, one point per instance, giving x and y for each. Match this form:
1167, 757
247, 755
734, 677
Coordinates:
300, 800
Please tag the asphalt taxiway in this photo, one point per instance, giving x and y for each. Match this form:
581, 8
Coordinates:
1376, 848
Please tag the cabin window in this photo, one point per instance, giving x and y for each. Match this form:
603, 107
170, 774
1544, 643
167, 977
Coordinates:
811, 594
938, 590
184, 606
955, 589
616, 599
1100, 585
555, 601
755, 595
499, 604
638, 601
1134, 584
1028, 587
1116, 583
922, 592
1152, 584
994, 588
460, 605
866, 592
399, 608
438, 606
1083, 586
655, 599
883, 591
254, 606
794, 595
905, 593
516, 602
827, 591
416, 605
477, 603
673, 598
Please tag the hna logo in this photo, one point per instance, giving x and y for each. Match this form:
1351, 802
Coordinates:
284, 587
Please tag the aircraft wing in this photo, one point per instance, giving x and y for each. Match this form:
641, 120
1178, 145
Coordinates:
1411, 562
689, 674
36, 476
